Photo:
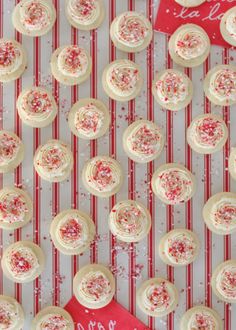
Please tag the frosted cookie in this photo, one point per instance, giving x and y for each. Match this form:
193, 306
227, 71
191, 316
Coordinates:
13, 60
179, 247
129, 221
102, 176
36, 107
11, 314
23, 261
232, 163
157, 297
220, 85
189, 46
89, 119
131, 32
71, 65
201, 317
12, 151
53, 317
223, 281
53, 161
172, 89
72, 232
94, 286
190, 3
207, 133
219, 213
16, 208
122, 80
173, 184
143, 141
228, 26
85, 14
34, 17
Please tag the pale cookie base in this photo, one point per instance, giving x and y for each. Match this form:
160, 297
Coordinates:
206, 85
34, 122
216, 272
64, 79
184, 322
87, 27
20, 27
79, 276
209, 150
52, 310
81, 103
21, 314
163, 243
181, 61
56, 221
224, 32
232, 163
29, 204
190, 3
140, 302
38, 252
130, 48
108, 88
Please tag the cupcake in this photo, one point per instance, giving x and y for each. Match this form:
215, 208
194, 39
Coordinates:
11, 314
71, 65
143, 141
157, 297
13, 60
219, 213
94, 286
172, 89
189, 46
122, 80
102, 176
129, 221
16, 208
34, 17
36, 107
228, 26
89, 119
12, 151
232, 163
179, 247
53, 161
23, 261
220, 85
131, 32
190, 3
85, 14
72, 232
173, 184
207, 133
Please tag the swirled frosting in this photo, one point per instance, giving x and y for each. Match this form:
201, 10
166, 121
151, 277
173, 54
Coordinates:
230, 24
223, 84
11, 57
13, 208
9, 315
202, 320
53, 322
9, 148
84, 12
226, 282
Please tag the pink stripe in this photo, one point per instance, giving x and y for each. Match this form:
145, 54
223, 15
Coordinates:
1, 126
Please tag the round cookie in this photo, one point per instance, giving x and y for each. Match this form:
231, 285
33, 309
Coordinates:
228, 26
232, 163
23, 261
12, 314
34, 18
157, 297
219, 213
189, 45
102, 176
13, 60
172, 89
173, 184
36, 107
12, 151
179, 247
129, 221
131, 32
72, 232
53, 161
71, 65
223, 281
85, 15
122, 80
89, 119
94, 286
220, 85
207, 133
190, 3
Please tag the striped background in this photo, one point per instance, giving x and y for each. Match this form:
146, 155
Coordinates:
131, 263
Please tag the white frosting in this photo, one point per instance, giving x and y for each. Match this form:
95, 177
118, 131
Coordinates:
231, 24
202, 319
9, 315
13, 207
226, 282
9, 148
11, 56
223, 214
84, 12
223, 84
53, 321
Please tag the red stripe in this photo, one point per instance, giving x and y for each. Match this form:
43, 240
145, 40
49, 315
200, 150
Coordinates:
1, 126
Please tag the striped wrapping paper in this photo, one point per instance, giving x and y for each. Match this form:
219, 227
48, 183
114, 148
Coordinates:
135, 262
